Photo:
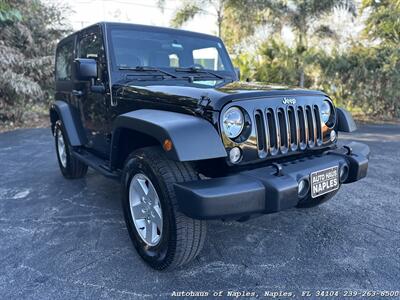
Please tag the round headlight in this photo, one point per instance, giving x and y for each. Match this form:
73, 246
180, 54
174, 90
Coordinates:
326, 111
233, 122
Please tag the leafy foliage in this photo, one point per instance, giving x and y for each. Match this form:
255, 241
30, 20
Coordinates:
305, 17
235, 19
188, 11
29, 31
238, 19
8, 14
365, 74
383, 22
366, 77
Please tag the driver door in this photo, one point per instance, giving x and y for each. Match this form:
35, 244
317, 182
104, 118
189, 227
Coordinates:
94, 107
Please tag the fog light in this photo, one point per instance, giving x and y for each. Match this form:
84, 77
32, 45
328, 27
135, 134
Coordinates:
333, 135
235, 155
302, 188
344, 173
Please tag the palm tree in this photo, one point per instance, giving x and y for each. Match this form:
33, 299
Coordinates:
189, 9
303, 17
240, 18
233, 19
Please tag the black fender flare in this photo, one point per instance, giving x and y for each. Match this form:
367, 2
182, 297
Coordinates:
193, 138
71, 123
345, 121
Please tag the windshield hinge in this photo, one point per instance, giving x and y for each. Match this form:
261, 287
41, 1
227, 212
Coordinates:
202, 104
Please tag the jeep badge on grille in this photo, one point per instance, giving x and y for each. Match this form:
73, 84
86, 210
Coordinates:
289, 101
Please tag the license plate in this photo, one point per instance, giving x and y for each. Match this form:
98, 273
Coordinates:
324, 181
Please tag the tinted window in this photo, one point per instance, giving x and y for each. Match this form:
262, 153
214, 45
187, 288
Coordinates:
133, 48
65, 55
91, 46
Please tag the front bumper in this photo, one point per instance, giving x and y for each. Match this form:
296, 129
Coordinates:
265, 190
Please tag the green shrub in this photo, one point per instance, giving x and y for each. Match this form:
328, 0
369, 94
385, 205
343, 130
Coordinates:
29, 31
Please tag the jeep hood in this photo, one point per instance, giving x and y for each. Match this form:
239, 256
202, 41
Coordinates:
190, 95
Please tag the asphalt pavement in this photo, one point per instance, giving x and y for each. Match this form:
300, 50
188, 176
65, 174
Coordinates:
62, 239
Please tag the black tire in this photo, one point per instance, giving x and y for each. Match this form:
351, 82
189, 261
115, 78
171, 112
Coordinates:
73, 167
311, 202
182, 238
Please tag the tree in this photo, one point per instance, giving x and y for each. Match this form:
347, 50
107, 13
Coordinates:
383, 22
279, 64
243, 18
364, 74
29, 31
304, 18
367, 76
238, 19
189, 9
232, 16
8, 14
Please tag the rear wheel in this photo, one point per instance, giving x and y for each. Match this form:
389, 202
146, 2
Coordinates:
161, 234
70, 166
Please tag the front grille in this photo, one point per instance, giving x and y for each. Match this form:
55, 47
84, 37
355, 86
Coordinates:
287, 129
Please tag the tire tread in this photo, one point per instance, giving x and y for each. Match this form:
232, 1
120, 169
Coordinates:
190, 233
75, 168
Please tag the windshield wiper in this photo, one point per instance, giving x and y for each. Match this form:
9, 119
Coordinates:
147, 69
194, 69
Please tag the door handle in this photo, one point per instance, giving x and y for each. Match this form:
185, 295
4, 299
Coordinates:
77, 93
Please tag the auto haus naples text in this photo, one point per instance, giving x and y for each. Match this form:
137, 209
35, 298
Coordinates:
324, 181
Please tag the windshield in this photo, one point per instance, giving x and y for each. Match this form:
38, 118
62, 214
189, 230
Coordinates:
171, 50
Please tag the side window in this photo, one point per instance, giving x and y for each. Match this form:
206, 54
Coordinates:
65, 54
208, 58
91, 46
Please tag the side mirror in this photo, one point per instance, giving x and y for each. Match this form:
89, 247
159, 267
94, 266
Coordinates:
86, 68
237, 71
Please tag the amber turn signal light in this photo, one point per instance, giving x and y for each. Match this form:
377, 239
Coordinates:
167, 145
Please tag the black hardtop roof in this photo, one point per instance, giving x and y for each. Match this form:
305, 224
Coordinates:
144, 27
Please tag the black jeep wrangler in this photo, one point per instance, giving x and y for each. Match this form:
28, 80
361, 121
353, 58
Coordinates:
162, 111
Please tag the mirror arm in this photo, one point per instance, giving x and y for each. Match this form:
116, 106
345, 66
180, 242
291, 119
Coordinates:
99, 89
237, 71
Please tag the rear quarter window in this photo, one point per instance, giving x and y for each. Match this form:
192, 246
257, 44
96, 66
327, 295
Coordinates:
64, 58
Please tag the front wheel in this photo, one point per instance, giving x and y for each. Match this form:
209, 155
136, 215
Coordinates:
161, 234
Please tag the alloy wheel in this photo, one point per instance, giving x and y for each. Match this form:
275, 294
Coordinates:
145, 209
61, 149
